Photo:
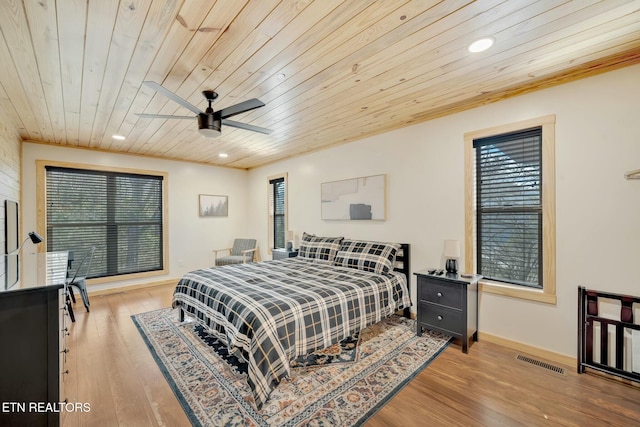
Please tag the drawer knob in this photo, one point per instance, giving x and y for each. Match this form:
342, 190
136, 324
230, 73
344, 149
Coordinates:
440, 317
439, 294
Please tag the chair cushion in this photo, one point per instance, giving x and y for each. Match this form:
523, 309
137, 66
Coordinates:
231, 259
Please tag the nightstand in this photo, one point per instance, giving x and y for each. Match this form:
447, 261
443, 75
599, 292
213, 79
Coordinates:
283, 253
449, 304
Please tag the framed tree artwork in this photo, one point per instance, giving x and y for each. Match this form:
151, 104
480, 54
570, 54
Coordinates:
213, 206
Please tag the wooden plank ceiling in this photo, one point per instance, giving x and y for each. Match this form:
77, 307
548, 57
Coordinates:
329, 71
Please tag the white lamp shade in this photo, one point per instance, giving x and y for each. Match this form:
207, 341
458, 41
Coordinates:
289, 235
451, 249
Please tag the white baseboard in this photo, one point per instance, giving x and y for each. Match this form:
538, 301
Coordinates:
525, 348
119, 289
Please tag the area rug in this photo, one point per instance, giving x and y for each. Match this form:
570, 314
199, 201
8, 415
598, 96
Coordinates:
340, 386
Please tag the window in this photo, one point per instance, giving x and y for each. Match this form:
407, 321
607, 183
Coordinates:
510, 204
509, 207
120, 213
277, 211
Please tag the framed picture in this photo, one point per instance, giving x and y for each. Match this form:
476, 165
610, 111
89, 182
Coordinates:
354, 199
214, 205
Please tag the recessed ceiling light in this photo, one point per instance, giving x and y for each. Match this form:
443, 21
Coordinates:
481, 45
118, 137
281, 76
223, 155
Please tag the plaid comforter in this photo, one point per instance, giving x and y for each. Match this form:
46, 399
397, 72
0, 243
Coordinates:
271, 312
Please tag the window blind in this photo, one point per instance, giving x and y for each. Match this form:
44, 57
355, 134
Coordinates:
277, 217
509, 207
120, 214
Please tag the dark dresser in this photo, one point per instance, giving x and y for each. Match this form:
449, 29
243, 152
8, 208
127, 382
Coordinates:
33, 326
448, 303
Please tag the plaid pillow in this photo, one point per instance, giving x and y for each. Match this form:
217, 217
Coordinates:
319, 249
376, 257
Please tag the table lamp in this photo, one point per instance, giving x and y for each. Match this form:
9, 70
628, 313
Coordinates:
35, 238
451, 253
289, 238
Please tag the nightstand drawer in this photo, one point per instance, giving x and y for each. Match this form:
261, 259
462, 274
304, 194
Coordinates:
448, 294
448, 304
442, 318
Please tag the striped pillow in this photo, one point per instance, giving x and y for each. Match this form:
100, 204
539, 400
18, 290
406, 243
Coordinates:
319, 249
376, 257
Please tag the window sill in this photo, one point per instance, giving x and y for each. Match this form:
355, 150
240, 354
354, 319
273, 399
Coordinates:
491, 287
124, 277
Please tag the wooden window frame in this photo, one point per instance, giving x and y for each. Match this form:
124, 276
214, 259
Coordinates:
270, 215
548, 292
41, 166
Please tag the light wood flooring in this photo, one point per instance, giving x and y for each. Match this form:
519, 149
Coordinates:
112, 370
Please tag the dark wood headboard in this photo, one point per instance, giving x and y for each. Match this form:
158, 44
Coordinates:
403, 265
402, 260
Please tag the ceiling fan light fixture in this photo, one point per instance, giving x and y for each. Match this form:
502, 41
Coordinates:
209, 133
481, 45
209, 126
209, 121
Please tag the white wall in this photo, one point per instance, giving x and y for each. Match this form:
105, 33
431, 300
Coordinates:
598, 230
191, 238
598, 221
9, 178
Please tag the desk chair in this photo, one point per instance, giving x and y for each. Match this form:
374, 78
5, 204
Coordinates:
68, 294
79, 279
243, 251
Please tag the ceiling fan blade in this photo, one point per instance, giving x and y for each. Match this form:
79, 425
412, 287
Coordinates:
166, 92
162, 116
246, 126
248, 105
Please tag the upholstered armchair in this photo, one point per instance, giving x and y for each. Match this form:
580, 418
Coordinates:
243, 251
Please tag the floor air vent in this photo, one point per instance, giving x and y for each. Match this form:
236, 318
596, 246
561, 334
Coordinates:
541, 364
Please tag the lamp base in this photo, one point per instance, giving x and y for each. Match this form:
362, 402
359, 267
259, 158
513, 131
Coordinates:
451, 266
289, 246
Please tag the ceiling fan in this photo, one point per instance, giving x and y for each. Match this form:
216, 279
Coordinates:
209, 121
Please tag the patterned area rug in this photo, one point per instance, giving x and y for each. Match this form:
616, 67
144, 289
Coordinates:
340, 386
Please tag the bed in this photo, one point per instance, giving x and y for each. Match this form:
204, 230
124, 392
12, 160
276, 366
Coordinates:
271, 312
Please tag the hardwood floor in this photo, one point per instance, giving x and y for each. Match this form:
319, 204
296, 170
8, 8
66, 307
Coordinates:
112, 370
